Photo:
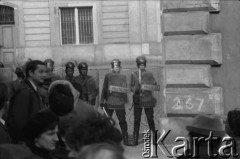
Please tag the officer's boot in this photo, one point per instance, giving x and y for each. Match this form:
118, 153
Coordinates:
153, 133
125, 138
135, 138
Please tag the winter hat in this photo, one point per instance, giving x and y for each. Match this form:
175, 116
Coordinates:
74, 92
61, 100
204, 124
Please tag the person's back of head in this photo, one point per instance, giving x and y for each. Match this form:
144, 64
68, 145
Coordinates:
61, 100
100, 151
94, 129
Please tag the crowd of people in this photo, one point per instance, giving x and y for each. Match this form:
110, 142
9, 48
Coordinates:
45, 116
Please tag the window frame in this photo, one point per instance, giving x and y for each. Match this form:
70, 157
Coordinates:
94, 14
13, 14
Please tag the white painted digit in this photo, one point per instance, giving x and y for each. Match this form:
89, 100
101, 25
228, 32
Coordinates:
178, 105
189, 105
200, 104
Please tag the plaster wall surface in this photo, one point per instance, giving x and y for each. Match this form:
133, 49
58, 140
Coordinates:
228, 75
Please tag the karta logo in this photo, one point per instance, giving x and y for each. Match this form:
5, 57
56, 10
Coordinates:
183, 147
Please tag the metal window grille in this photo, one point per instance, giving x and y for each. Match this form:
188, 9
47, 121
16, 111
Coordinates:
68, 26
85, 23
6, 15
77, 25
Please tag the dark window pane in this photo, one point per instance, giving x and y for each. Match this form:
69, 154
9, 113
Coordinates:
6, 15
85, 20
68, 26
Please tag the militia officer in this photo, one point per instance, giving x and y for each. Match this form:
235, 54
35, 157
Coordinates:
69, 70
142, 98
114, 96
85, 84
50, 77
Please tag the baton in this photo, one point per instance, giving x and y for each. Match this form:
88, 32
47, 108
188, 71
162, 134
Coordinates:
131, 107
104, 110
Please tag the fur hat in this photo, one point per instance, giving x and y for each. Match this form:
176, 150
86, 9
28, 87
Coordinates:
61, 100
75, 93
203, 124
59, 104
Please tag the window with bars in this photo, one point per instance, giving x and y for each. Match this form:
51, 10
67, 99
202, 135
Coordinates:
6, 15
77, 25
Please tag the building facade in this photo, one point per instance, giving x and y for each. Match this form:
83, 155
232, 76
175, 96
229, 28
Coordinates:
182, 40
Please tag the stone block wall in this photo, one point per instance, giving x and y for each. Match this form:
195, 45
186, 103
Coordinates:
190, 50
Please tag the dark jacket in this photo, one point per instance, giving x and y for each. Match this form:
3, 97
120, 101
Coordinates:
14, 86
23, 104
15, 151
4, 135
45, 154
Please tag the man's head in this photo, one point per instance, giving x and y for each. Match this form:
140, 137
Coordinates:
50, 65
94, 129
141, 62
69, 69
36, 71
83, 68
116, 65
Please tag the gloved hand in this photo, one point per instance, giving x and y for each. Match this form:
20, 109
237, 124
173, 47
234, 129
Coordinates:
102, 105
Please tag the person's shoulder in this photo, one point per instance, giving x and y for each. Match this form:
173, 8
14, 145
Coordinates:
3, 86
107, 75
77, 77
9, 151
24, 88
83, 109
148, 73
89, 77
56, 77
4, 136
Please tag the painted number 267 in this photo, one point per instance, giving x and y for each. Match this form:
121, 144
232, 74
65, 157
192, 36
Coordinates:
188, 104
